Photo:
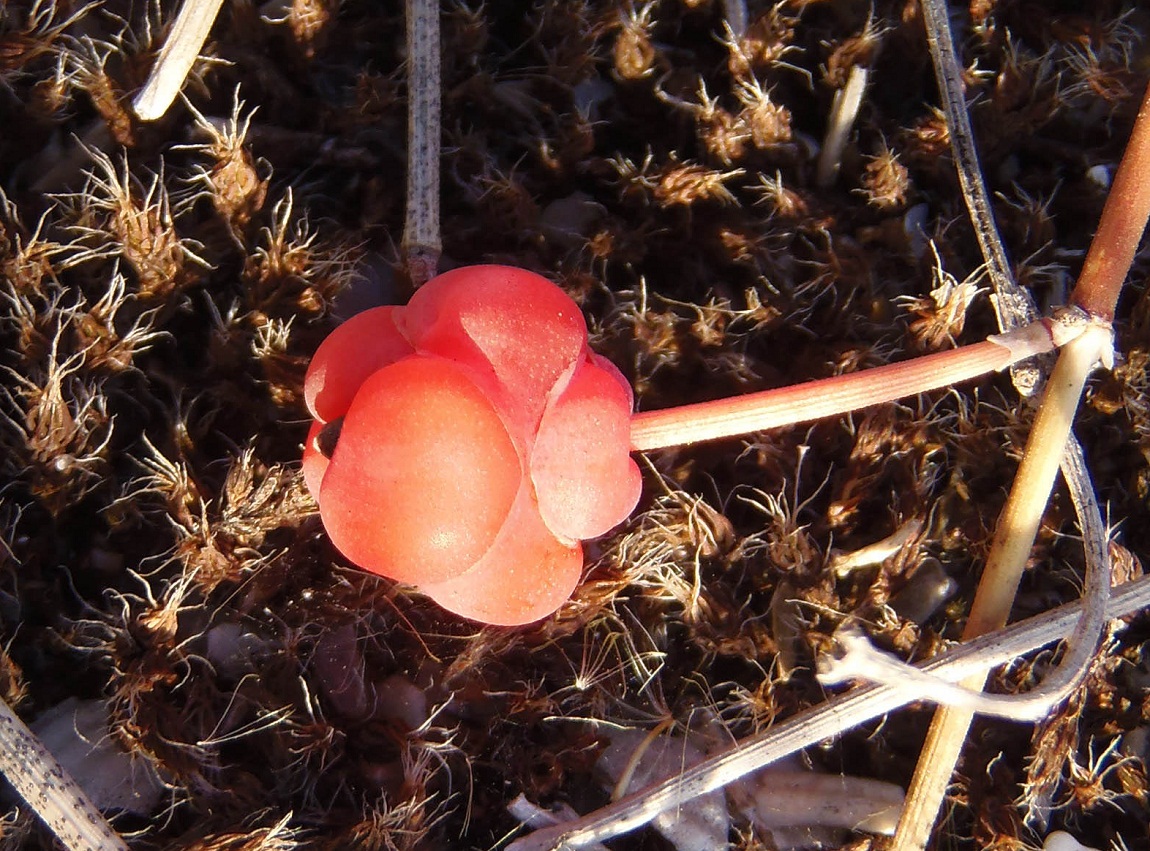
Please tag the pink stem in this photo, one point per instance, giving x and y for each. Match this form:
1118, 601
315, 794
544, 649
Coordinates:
1123, 219
825, 397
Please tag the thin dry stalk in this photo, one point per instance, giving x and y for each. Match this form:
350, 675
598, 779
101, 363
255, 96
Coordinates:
1112, 251
1083, 642
51, 792
821, 722
844, 111
1012, 303
189, 32
1017, 527
422, 243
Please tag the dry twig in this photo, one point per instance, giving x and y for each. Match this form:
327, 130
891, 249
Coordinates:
1112, 251
422, 243
821, 722
51, 792
189, 32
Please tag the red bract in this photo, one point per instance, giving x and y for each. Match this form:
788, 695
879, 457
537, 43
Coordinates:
479, 440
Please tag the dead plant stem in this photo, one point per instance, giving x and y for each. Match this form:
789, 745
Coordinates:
817, 723
1108, 261
422, 242
1018, 523
844, 113
1012, 303
50, 790
1014, 537
182, 46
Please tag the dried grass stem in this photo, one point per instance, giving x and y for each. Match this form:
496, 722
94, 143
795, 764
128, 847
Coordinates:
422, 243
189, 32
1012, 304
1111, 252
820, 722
50, 791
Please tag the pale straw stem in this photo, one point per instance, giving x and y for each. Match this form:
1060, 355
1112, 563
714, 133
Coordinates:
1014, 537
844, 111
50, 791
189, 32
813, 725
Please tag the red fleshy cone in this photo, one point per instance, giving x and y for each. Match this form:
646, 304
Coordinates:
480, 441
